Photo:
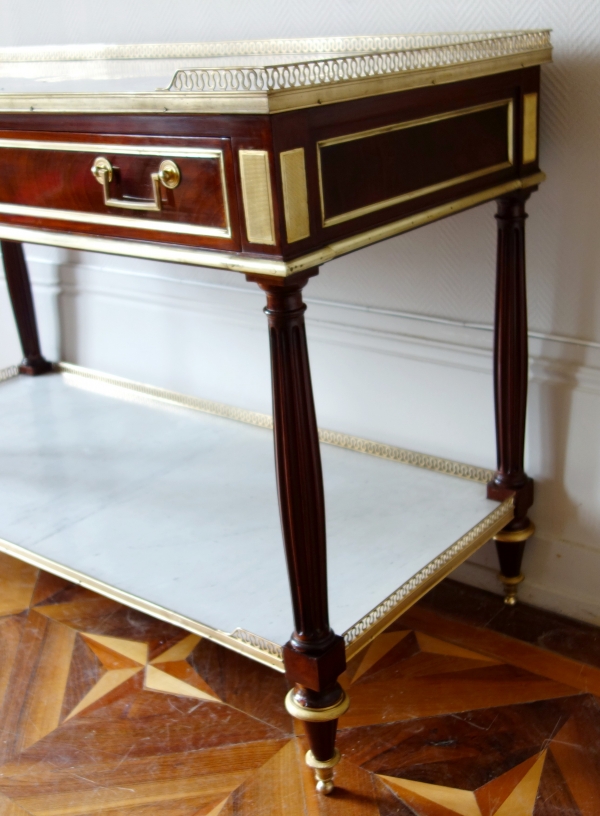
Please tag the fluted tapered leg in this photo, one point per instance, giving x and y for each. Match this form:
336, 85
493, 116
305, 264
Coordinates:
314, 656
510, 388
19, 289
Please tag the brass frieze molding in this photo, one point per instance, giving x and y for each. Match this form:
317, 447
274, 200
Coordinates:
236, 262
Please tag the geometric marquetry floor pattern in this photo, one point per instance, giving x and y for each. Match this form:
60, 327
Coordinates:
107, 711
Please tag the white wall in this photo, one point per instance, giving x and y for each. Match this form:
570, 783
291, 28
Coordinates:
400, 333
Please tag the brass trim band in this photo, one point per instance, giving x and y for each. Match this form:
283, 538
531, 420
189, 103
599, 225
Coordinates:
166, 151
346, 245
305, 714
272, 658
262, 266
515, 580
515, 536
318, 765
340, 440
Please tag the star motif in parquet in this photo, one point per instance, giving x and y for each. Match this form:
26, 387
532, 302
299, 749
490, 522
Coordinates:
107, 711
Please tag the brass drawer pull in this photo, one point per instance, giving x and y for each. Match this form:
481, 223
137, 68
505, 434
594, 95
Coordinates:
168, 175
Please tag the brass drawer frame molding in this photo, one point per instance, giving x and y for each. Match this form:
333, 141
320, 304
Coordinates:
295, 194
257, 196
530, 116
432, 188
101, 219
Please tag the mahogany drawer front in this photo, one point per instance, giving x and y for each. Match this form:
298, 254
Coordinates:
51, 180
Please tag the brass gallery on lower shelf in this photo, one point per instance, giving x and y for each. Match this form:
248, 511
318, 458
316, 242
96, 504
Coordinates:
370, 625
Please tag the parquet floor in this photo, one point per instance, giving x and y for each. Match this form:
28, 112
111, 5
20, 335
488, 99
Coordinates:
461, 707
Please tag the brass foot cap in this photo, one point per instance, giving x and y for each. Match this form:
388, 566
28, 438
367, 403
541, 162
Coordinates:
510, 587
325, 786
323, 770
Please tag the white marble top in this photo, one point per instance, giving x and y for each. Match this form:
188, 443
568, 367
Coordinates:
178, 507
251, 76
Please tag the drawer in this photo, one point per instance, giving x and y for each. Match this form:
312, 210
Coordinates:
179, 191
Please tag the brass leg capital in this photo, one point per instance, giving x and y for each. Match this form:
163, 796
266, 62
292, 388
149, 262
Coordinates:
323, 770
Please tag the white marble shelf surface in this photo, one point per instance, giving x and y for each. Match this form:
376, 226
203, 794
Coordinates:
175, 510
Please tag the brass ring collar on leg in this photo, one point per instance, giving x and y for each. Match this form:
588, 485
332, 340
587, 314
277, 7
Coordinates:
318, 765
316, 714
515, 536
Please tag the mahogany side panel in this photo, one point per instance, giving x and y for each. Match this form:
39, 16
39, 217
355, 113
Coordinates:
377, 167
306, 128
21, 298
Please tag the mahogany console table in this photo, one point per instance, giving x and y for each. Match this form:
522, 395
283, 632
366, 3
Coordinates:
268, 159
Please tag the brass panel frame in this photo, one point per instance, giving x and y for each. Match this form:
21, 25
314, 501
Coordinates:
102, 219
295, 194
530, 120
257, 196
432, 188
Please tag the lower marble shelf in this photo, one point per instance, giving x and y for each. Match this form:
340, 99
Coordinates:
169, 504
